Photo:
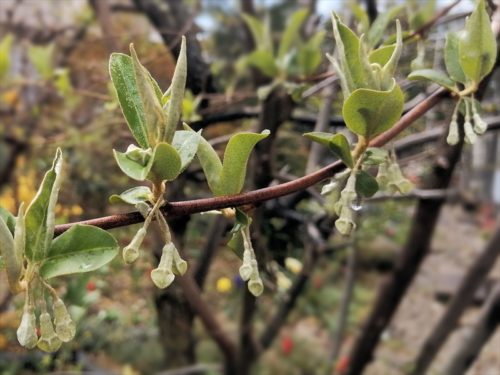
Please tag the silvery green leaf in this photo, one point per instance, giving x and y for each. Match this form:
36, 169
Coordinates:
186, 143
39, 217
133, 196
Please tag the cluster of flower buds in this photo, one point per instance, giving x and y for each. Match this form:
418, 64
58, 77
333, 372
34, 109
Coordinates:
249, 270
471, 131
390, 177
50, 340
171, 264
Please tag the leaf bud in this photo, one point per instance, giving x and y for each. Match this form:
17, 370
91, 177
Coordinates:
26, 333
65, 327
49, 341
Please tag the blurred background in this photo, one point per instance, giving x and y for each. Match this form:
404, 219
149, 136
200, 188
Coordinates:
55, 91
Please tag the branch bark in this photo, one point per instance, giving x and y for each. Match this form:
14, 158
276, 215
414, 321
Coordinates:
173, 209
461, 300
471, 346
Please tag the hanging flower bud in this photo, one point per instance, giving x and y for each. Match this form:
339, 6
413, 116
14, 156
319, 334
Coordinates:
397, 182
246, 268
453, 136
26, 333
180, 265
255, 286
65, 327
470, 136
163, 276
49, 341
383, 175
345, 223
131, 252
480, 126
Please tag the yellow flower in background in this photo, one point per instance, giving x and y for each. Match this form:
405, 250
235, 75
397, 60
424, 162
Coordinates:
224, 285
7, 200
293, 265
76, 210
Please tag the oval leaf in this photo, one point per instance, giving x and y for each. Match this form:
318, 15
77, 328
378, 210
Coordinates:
131, 168
122, 74
369, 112
236, 157
132, 196
382, 55
366, 184
433, 75
165, 164
40, 213
452, 58
477, 45
186, 143
340, 147
82, 248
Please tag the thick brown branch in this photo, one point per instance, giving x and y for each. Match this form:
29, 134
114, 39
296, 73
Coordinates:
173, 209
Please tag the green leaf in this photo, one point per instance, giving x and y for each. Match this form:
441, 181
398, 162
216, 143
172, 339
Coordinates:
378, 27
210, 162
8, 218
264, 61
375, 156
381, 55
174, 105
309, 54
40, 213
236, 243
5, 47
132, 168
82, 248
8, 253
186, 143
433, 75
291, 33
477, 45
369, 112
257, 29
42, 59
132, 196
236, 156
337, 143
348, 46
154, 117
366, 184
340, 147
452, 58
122, 74
361, 16
165, 164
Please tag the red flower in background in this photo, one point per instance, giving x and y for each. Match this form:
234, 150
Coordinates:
286, 344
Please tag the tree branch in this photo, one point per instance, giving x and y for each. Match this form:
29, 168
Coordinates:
173, 209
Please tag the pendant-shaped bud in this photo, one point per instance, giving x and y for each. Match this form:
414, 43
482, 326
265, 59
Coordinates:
131, 251
163, 276
255, 286
345, 223
398, 182
65, 327
26, 333
480, 126
180, 266
383, 175
470, 135
49, 341
246, 267
453, 136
